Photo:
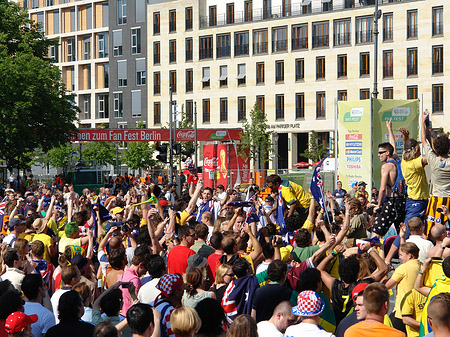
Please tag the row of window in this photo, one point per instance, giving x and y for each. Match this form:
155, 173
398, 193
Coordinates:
135, 41
364, 70
122, 76
388, 93
122, 11
188, 23
299, 38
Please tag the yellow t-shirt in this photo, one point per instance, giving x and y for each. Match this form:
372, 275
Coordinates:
183, 217
405, 275
26, 236
47, 241
65, 241
412, 306
293, 193
415, 178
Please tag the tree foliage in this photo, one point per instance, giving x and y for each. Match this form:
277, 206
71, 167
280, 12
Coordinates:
60, 156
255, 142
316, 150
35, 110
139, 155
101, 152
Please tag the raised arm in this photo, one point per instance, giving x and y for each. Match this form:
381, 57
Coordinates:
391, 135
195, 195
418, 284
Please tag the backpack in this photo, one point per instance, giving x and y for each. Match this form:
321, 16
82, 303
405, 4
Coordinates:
400, 185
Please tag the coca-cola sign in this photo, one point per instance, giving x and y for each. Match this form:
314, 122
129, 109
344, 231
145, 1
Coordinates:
210, 162
186, 135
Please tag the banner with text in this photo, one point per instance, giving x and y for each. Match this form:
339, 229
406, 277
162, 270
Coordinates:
404, 113
355, 142
155, 135
360, 132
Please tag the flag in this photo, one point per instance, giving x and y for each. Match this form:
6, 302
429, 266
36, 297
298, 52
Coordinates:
104, 215
2, 208
280, 212
317, 187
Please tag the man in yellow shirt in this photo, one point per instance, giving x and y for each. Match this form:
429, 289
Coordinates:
412, 307
293, 194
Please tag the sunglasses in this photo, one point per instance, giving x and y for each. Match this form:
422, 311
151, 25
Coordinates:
381, 152
232, 275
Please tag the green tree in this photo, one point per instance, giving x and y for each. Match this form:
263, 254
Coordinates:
35, 109
255, 138
316, 149
139, 155
101, 152
60, 156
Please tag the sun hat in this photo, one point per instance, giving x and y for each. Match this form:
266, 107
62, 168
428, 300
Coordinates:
309, 304
117, 210
196, 261
39, 225
18, 321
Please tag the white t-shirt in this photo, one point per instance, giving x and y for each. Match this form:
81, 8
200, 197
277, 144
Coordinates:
148, 291
262, 267
9, 240
45, 318
55, 301
424, 246
268, 329
306, 329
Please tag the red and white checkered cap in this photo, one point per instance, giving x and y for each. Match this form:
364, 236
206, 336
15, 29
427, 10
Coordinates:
309, 304
169, 283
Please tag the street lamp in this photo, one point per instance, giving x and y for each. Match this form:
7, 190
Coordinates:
376, 17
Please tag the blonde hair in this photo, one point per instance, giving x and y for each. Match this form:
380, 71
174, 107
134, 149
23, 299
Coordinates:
220, 273
20, 245
412, 154
185, 321
243, 326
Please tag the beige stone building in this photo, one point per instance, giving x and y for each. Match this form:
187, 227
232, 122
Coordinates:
294, 60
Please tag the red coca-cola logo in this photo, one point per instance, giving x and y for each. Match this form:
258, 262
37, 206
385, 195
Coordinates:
185, 135
210, 162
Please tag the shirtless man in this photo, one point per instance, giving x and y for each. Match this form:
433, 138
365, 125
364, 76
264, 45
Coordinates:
390, 209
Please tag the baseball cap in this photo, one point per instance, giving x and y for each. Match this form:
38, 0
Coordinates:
358, 289
163, 203
16, 221
361, 183
309, 304
173, 184
18, 321
117, 210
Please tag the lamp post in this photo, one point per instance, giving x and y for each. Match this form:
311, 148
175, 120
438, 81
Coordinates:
376, 17
195, 135
275, 150
170, 137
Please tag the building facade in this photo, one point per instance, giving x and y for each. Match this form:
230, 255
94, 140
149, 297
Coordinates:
294, 60
89, 58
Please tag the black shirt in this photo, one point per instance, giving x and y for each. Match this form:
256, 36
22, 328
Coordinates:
267, 298
71, 329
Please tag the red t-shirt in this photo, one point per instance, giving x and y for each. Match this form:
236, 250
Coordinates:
212, 265
177, 259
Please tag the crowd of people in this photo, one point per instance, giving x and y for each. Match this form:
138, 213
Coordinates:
242, 261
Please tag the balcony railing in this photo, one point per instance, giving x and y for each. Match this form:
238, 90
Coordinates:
241, 49
412, 32
388, 34
411, 70
172, 57
172, 27
156, 59
364, 36
301, 43
438, 28
438, 67
206, 53
388, 71
279, 45
189, 87
341, 39
275, 12
320, 41
438, 107
189, 55
156, 89
260, 48
223, 51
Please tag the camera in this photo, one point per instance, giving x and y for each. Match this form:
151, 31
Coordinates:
124, 228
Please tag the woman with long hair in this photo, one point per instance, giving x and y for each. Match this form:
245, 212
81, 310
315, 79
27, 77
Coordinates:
194, 291
243, 326
224, 276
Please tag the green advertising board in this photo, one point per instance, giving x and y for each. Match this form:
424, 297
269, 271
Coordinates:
362, 126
